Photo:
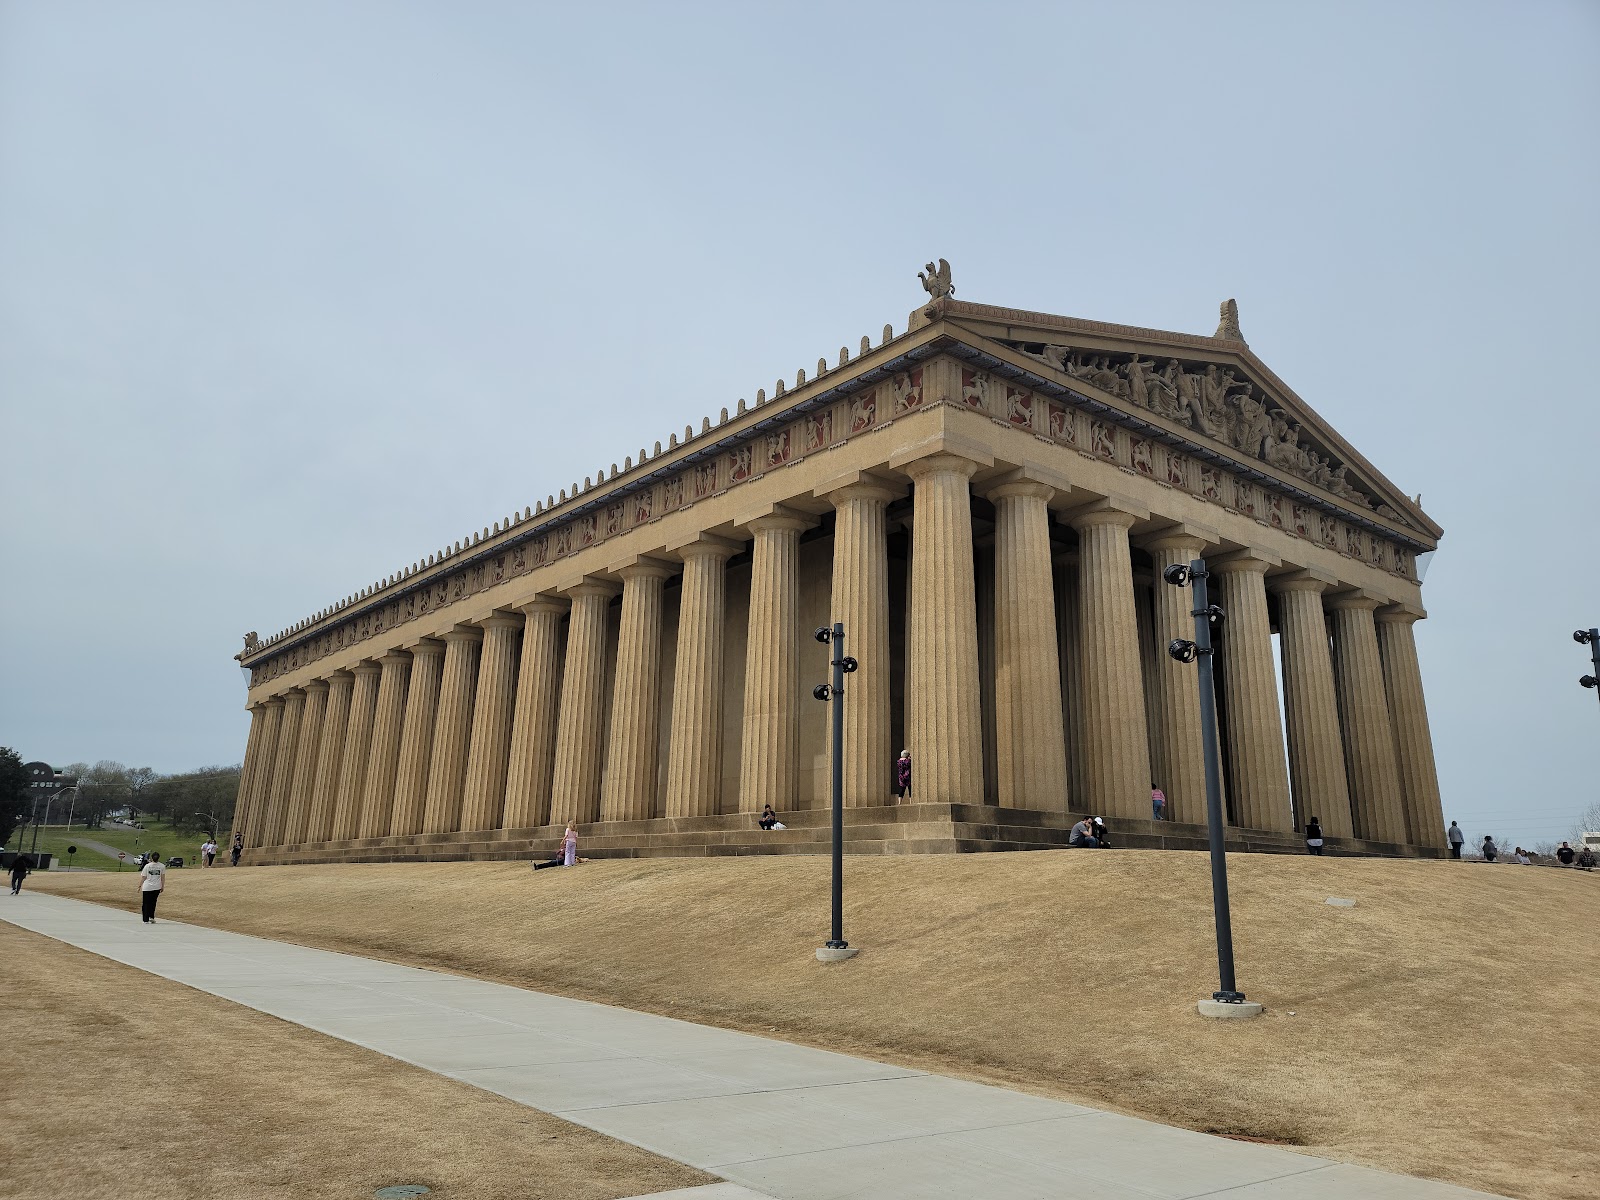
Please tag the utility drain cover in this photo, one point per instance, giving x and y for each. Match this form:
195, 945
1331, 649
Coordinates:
401, 1191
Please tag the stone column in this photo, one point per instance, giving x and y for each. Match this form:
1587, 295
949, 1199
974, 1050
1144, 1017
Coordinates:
484, 796
283, 764
533, 725
1067, 587
1369, 744
575, 781
383, 761
1177, 691
1311, 709
304, 786
632, 757
1419, 779
944, 725
1116, 742
416, 737
694, 757
769, 771
261, 788
252, 767
1260, 773
330, 757
1030, 739
861, 603
452, 731
357, 752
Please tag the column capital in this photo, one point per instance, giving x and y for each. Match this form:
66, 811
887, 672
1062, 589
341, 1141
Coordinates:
775, 516
253, 705
544, 604
1401, 614
942, 453
366, 667
342, 678
1357, 599
1306, 579
589, 585
640, 566
395, 656
1249, 560
858, 485
315, 685
1181, 536
706, 545
1108, 510
462, 633
943, 464
499, 619
1029, 479
424, 646
271, 700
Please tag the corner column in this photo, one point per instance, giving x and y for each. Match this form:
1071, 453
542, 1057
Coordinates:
1260, 772
330, 757
283, 764
1115, 738
860, 601
769, 771
303, 787
1311, 709
484, 796
261, 792
252, 767
416, 737
357, 751
533, 726
383, 761
1419, 778
943, 721
575, 783
1030, 736
452, 731
632, 756
1369, 749
694, 755
1177, 694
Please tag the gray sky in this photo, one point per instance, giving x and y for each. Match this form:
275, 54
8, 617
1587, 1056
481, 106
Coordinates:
292, 294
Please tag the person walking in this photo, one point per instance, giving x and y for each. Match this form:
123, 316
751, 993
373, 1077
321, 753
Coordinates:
152, 878
1314, 837
569, 846
1456, 837
238, 848
20, 866
1490, 850
902, 775
208, 852
1158, 804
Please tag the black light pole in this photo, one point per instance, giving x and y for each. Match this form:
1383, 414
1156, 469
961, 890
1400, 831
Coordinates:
1590, 638
1207, 615
836, 946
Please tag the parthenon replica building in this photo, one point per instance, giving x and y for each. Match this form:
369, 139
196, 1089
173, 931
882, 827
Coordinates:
986, 502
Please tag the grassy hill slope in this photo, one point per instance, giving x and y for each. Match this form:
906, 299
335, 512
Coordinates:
1440, 1027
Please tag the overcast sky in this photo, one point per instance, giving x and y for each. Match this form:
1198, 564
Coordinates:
292, 294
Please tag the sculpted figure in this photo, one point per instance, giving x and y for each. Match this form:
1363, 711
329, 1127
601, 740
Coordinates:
937, 282
1056, 356
1104, 377
1252, 425
1186, 385
1142, 382
1228, 322
1283, 444
1215, 418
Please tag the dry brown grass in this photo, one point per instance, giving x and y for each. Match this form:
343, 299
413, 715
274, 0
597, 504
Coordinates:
118, 1076
1439, 1027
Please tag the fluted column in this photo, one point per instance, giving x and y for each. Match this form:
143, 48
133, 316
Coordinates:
484, 796
632, 757
261, 792
383, 760
452, 731
416, 737
283, 764
1260, 773
1030, 738
1419, 779
249, 771
533, 725
1369, 748
861, 603
1182, 775
575, 781
694, 755
357, 752
330, 757
303, 789
1068, 633
944, 725
1116, 742
1310, 707
769, 771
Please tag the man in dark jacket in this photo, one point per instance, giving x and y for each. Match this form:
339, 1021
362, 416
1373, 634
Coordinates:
20, 866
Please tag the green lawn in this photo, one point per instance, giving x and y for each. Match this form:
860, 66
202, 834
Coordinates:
157, 835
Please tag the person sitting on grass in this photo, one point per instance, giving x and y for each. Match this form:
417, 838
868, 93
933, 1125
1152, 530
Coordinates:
1083, 834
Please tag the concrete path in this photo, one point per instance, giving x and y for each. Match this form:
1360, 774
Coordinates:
774, 1119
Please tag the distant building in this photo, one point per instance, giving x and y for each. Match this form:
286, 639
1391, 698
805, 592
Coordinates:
44, 781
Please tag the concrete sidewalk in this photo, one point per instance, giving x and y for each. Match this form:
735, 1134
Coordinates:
774, 1119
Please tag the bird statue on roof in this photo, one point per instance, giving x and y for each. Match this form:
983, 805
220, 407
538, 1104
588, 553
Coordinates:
937, 282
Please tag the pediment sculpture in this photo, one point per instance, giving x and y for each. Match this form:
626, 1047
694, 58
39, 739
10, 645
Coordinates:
1212, 400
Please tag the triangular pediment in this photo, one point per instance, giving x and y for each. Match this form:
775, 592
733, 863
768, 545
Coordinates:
1212, 390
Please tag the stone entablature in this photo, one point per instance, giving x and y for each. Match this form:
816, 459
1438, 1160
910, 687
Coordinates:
1085, 415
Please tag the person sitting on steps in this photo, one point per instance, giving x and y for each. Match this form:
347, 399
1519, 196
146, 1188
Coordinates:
768, 818
1083, 834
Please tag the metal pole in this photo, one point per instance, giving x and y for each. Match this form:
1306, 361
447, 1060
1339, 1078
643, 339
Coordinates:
837, 942
35, 850
1594, 653
1229, 992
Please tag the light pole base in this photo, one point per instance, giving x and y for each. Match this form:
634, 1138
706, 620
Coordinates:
836, 953
1225, 1011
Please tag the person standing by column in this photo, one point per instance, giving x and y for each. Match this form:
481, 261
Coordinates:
1158, 804
20, 866
1314, 837
902, 775
238, 848
569, 846
152, 878
1456, 838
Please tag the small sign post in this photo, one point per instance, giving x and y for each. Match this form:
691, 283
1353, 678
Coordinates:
70, 851
121, 855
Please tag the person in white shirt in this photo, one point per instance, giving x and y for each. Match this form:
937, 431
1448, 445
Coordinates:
208, 852
152, 878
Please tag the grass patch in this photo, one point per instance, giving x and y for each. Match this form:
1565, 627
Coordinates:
140, 1084
1438, 1028
54, 839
